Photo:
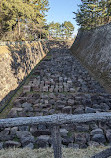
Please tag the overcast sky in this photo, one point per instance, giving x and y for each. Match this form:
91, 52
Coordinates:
62, 10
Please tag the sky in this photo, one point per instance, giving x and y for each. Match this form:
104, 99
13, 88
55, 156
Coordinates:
62, 10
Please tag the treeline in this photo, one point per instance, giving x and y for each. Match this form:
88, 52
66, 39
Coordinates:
23, 19
93, 13
26, 20
62, 31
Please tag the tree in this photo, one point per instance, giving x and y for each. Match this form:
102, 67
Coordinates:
51, 28
57, 29
19, 13
93, 13
68, 28
61, 30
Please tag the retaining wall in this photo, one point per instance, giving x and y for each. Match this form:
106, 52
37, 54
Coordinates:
16, 62
93, 49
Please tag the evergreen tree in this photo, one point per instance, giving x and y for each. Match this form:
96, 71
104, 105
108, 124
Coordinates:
57, 29
18, 14
93, 13
61, 30
68, 28
51, 29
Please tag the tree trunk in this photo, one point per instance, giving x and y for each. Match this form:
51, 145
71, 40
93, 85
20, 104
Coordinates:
19, 28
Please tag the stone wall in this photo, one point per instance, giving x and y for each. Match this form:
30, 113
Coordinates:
17, 61
39, 136
93, 49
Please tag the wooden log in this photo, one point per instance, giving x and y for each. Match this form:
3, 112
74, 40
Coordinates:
55, 119
56, 140
104, 154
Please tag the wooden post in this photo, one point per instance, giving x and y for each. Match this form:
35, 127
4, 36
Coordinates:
56, 140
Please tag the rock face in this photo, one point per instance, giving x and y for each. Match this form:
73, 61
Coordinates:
93, 49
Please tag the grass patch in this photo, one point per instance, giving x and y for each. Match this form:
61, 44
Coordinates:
47, 57
48, 153
69, 134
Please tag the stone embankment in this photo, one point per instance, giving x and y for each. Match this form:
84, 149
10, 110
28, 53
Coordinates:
93, 49
59, 84
17, 61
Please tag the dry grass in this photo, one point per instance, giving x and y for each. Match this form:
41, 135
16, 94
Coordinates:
4, 49
48, 153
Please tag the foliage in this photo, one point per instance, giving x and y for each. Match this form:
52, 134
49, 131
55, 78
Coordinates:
64, 30
93, 13
68, 28
21, 17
